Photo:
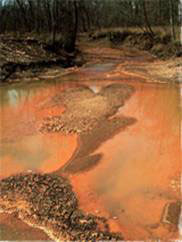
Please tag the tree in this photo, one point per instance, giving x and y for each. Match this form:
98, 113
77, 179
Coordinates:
173, 34
180, 19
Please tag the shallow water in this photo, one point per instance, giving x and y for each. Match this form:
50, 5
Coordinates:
139, 165
139, 170
23, 147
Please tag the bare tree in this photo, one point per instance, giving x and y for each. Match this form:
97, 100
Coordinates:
22, 8
180, 19
173, 34
147, 22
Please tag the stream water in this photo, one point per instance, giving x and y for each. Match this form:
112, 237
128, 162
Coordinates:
138, 175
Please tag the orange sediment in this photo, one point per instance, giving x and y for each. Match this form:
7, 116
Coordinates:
139, 168
132, 183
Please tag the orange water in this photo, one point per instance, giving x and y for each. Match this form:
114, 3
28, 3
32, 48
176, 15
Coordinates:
131, 184
23, 147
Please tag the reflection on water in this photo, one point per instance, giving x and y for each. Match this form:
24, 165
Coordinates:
22, 146
134, 180
13, 97
95, 88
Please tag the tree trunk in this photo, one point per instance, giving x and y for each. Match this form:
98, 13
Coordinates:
147, 23
53, 20
173, 34
73, 36
23, 13
180, 19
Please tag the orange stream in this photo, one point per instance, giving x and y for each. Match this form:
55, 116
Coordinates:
131, 184
29, 149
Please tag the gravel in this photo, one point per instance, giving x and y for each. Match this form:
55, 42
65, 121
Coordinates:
48, 202
85, 109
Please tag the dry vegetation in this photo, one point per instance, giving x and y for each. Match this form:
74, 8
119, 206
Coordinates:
160, 45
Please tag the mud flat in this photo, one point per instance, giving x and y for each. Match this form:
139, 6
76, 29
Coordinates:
48, 202
85, 110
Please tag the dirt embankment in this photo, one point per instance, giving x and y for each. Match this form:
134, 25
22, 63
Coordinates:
19, 55
160, 44
27, 59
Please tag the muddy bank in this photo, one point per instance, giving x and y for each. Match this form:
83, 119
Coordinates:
130, 63
48, 202
160, 45
19, 55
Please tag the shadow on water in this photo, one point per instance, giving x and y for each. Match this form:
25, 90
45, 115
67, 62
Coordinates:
82, 160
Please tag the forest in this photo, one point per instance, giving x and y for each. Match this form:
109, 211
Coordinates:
64, 19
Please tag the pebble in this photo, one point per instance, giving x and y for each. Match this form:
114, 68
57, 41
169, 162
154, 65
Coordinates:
51, 203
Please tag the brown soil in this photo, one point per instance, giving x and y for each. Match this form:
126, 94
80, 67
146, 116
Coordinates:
20, 55
159, 44
48, 202
28, 60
